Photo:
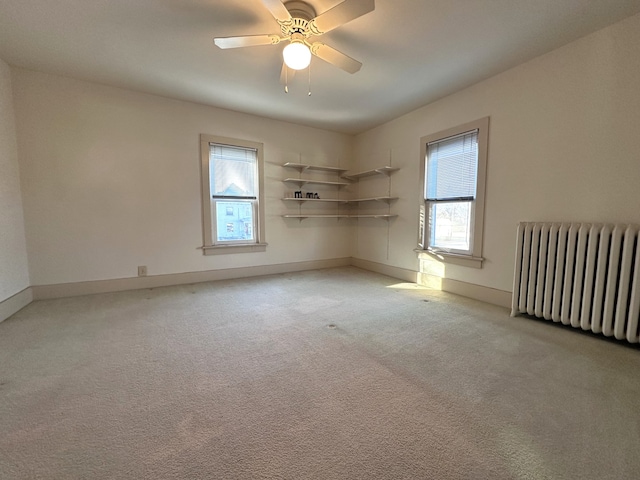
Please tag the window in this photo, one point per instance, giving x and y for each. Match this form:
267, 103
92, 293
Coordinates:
453, 166
232, 185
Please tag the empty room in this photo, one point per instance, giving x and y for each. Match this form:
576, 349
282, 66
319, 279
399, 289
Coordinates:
319, 239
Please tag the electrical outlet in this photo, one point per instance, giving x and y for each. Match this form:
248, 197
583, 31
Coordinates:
142, 271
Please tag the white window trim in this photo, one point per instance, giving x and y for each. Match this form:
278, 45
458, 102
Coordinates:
208, 246
475, 259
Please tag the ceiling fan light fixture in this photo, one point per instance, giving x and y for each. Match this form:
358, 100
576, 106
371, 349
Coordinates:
297, 55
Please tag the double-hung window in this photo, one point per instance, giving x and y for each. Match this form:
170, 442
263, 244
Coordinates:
233, 212
451, 214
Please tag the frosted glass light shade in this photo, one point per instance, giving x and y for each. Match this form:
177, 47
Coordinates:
297, 55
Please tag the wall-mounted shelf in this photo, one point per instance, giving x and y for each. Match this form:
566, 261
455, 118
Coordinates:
343, 179
301, 167
386, 200
304, 181
301, 200
367, 173
302, 217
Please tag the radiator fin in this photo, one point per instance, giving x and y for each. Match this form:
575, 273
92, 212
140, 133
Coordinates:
583, 275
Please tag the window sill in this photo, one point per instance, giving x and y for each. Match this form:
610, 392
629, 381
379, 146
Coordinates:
225, 249
452, 258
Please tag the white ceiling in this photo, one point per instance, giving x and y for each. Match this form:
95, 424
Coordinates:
413, 51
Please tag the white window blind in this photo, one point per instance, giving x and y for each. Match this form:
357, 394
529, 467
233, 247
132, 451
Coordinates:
233, 171
452, 166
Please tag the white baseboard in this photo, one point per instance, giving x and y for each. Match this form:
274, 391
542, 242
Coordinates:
493, 296
41, 292
477, 292
395, 272
15, 303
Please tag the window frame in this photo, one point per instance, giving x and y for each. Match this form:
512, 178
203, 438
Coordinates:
210, 246
474, 258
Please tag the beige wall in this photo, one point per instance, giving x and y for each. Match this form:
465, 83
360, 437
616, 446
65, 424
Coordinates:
14, 272
563, 146
111, 180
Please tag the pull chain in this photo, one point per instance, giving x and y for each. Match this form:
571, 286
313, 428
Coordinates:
309, 78
286, 79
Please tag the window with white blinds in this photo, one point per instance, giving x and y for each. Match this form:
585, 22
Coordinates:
233, 210
453, 170
233, 171
233, 193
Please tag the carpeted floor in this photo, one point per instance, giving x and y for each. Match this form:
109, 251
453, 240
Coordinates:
330, 374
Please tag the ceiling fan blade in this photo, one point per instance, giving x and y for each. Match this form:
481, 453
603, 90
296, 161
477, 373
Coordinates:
277, 9
340, 14
247, 41
334, 57
286, 74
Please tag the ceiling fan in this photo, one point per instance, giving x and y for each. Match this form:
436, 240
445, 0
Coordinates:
298, 22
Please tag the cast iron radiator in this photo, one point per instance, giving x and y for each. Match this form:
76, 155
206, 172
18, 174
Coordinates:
583, 275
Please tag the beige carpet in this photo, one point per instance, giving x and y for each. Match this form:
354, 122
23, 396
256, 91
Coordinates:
246, 379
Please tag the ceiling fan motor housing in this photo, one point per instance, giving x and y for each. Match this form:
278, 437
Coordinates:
301, 13
299, 9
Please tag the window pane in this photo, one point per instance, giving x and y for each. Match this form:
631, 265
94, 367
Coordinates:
452, 166
450, 225
234, 220
232, 171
